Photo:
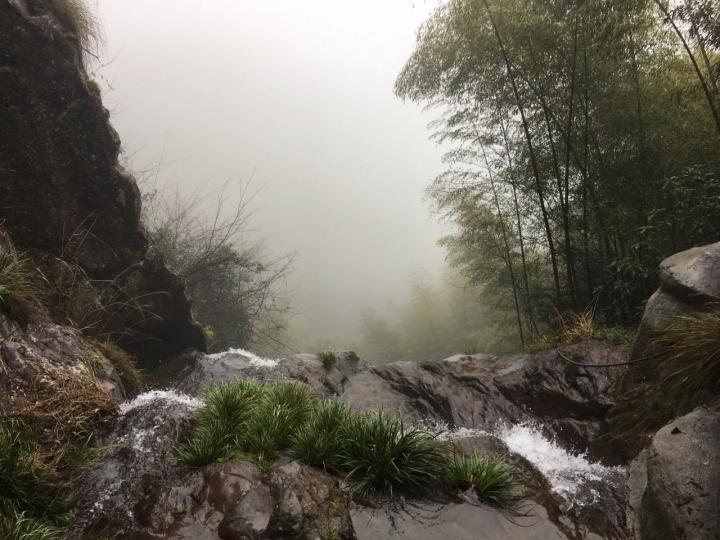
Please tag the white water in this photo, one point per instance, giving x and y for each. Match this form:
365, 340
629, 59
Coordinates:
253, 359
572, 476
168, 396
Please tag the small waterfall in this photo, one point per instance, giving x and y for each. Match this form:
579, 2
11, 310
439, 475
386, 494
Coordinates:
152, 396
253, 359
572, 476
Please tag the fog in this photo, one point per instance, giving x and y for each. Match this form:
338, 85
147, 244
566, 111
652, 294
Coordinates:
295, 98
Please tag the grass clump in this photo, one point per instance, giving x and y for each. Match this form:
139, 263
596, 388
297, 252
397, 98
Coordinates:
224, 416
32, 505
76, 18
689, 352
578, 327
19, 289
123, 363
492, 478
382, 454
376, 452
281, 410
328, 359
319, 441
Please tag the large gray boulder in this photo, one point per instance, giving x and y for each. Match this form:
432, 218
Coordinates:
689, 282
682, 495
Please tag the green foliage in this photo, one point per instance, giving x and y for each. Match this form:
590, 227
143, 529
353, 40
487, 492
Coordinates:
283, 408
535, 101
689, 350
493, 478
31, 503
16, 525
378, 453
233, 287
206, 444
328, 359
383, 455
228, 409
319, 441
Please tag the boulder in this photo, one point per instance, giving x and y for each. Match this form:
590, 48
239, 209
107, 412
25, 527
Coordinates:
689, 282
682, 495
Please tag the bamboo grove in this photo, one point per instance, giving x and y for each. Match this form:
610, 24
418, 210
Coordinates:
582, 145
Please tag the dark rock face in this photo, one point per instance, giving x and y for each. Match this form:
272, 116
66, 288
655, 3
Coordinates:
62, 191
682, 495
689, 282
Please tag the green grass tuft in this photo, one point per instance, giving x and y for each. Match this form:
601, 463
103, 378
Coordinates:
493, 478
376, 452
16, 525
31, 503
383, 455
328, 359
319, 441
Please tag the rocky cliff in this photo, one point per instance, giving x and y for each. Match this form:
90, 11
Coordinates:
63, 196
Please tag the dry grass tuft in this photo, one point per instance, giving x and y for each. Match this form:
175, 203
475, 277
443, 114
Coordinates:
123, 363
689, 351
77, 19
577, 327
61, 406
20, 291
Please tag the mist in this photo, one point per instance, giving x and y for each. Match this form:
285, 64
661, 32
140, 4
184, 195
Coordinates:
295, 100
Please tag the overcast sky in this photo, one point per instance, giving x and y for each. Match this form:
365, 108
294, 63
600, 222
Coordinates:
298, 95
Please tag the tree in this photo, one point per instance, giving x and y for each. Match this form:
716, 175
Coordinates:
235, 292
570, 123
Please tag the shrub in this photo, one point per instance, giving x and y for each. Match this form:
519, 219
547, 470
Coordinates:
381, 454
328, 359
493, 478
689, 349
319, 441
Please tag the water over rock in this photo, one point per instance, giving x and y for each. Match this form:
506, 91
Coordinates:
518, 406
195, 372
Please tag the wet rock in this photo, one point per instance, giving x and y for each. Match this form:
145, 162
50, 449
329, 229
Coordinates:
457, 521
309, 504
482, 391
682, 496
193, 373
